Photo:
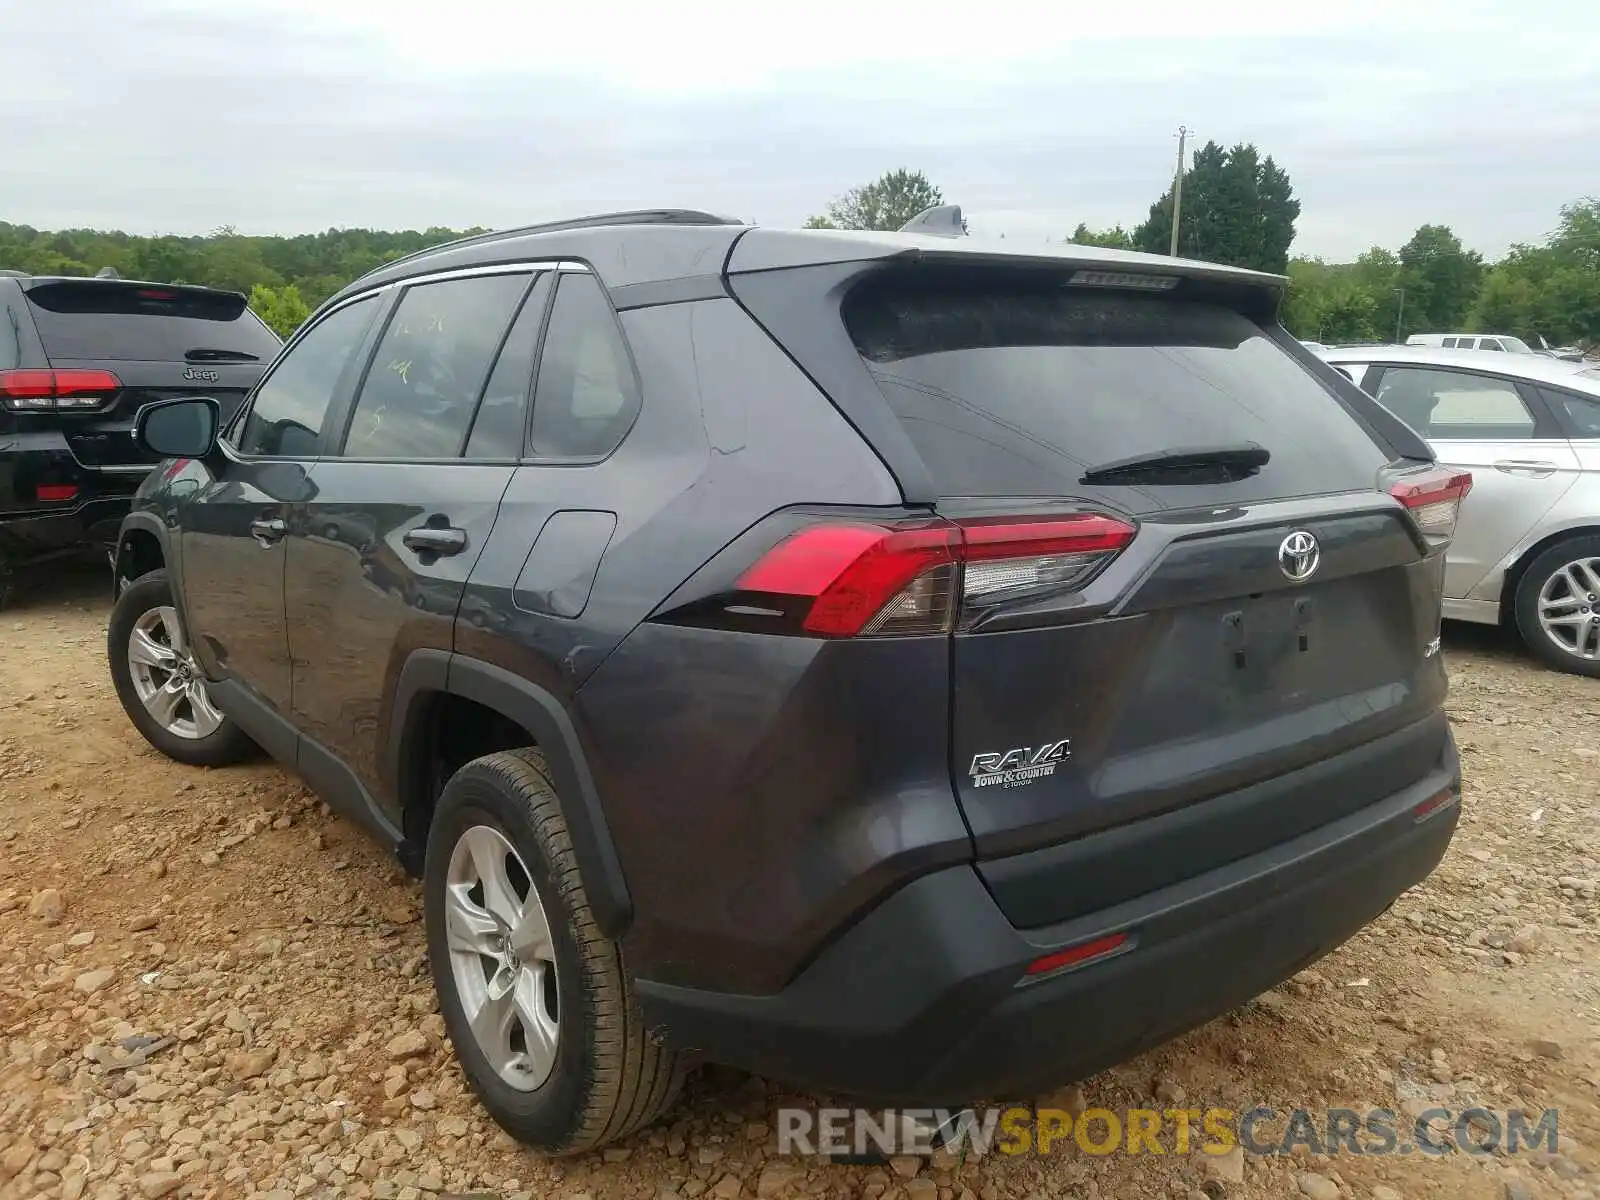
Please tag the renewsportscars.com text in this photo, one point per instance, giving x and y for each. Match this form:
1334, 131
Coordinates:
836, 1132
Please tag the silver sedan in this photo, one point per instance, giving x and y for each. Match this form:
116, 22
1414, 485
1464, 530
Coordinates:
1527, 547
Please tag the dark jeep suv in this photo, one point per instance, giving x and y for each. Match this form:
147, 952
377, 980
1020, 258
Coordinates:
78, 357
899, 665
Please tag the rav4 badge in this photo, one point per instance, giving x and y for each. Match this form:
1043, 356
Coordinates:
1019, 767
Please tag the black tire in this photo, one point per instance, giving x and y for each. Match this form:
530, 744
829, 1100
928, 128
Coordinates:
609, 1078
1525, 606
224, 745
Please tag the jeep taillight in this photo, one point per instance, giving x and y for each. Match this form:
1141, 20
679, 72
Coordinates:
862, 578
1434, 499
33, 390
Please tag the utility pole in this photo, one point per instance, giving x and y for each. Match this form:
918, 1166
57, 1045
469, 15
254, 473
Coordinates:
1177, 188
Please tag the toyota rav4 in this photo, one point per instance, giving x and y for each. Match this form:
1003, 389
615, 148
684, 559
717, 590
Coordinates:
901, 665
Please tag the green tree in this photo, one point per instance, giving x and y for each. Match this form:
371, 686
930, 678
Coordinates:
1440, 280
1550, 291
886, 203
1115, 238
1238, 208
1329, 303
283, 309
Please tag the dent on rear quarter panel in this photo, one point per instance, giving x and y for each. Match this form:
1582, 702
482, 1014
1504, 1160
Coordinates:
760, 789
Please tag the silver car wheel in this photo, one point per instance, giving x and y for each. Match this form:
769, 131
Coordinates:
1569, 608
166, 678
502, 958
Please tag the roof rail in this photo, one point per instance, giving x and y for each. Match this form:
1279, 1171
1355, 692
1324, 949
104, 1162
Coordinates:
641, 216
9, 274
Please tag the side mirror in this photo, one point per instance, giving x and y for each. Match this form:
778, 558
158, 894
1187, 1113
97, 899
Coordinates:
182, 428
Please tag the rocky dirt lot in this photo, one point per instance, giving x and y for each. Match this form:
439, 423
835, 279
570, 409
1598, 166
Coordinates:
211, 987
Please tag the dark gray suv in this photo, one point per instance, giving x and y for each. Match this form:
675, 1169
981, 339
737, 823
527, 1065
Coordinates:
899, 665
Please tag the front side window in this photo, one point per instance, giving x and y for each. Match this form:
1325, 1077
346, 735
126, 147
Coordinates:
1490, 344
587, 395
1455, 404
286, 416
423, 383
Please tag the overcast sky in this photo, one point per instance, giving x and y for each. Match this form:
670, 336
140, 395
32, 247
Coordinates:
284, 116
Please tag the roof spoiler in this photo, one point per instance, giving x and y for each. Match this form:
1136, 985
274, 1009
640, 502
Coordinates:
942, 220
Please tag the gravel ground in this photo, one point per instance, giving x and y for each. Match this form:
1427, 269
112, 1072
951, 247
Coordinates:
209, 986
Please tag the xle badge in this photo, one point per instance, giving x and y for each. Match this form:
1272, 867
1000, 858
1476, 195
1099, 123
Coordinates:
1019, 767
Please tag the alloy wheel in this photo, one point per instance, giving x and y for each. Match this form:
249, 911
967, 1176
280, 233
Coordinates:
167, 679
502, 958
1569, 608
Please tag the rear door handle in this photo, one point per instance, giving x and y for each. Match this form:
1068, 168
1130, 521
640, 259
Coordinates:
268, 532
1534, 468
433, 539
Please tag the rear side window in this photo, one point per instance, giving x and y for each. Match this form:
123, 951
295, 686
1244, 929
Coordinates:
586, 396
105, 319
1018, 389
1455, 405
423, 383
502, 413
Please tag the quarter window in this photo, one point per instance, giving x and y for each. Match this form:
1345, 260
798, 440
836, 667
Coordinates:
286, 416
587, 396
1455, 404
425, 377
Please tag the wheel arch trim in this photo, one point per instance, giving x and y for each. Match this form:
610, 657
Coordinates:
1516, 564
427, 673
149, 523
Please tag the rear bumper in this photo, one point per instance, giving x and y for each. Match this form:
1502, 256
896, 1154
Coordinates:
31, 526
920, 1002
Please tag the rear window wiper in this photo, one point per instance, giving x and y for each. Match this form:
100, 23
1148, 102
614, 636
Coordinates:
207, 354
1191, 464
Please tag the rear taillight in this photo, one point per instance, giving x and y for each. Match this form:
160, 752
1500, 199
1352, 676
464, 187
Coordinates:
1010, 556
1434, 499
864, 579
53, 391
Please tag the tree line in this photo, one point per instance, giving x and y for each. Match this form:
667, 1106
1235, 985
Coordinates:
1238, 207
285, 277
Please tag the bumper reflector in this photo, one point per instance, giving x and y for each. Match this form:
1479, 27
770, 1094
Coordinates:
1435, 804
1076, 956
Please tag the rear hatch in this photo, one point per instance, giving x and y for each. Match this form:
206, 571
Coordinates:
1187, 565
121, 344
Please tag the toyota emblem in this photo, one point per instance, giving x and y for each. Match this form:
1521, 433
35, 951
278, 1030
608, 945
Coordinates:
1298, 556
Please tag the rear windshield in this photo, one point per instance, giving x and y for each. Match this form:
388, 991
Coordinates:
1018, 389
98, 319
